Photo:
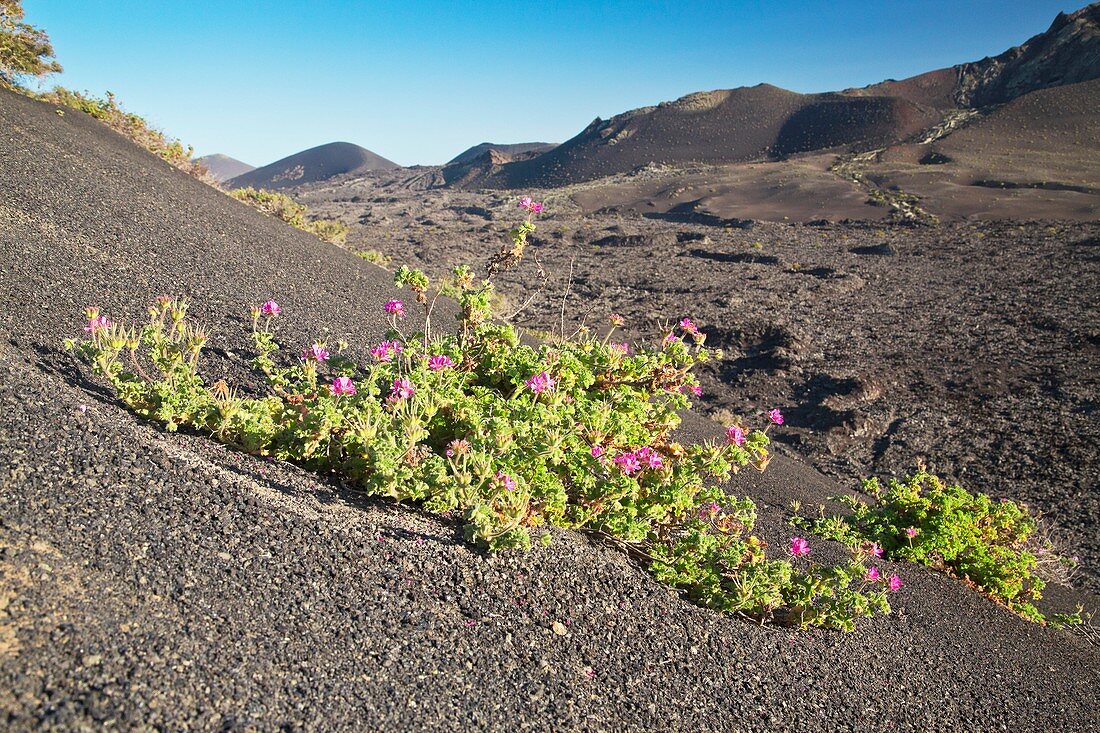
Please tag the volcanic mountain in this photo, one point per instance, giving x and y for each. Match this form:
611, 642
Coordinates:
223, 167
509, 150
767, 123
316, 164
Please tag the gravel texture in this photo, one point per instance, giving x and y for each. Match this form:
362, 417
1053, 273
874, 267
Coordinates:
154, 581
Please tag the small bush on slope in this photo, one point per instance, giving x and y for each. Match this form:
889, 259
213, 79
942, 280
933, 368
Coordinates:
990, 544
293, 213
575, 433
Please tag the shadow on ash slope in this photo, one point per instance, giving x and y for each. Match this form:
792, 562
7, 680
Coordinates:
971, 347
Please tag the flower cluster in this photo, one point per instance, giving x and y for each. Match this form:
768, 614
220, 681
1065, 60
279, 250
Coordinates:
530, 206
512, 437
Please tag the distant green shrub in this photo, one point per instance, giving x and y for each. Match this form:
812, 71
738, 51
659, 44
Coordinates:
992, 545
332, 231
293, 213
374, 256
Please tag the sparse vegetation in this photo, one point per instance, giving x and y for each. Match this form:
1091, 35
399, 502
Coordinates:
575, 433
374, 256
293, 213
992, 545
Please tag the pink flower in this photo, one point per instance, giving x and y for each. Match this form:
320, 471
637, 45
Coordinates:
439, 362
709, 511
528, 205
735, 435
689, 326
670, 338
776, 416
343, 386
385, 351
270, 308
894, 583
316, 352
875, 549
873, 574
402, 389
799, 547
650, 457
696, 390
623, 348
98, 323
541, 382
616, 320
629, 463
911, 532
506, 481
596, 451
395, 308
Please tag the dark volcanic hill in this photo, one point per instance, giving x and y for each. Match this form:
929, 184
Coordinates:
765, 122
223, 167
158, 580
509, 150
316, 164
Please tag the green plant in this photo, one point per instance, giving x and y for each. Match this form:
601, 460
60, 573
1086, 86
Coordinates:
374, 256
24, 49
575, 433
990, 544
332, 231
293, 213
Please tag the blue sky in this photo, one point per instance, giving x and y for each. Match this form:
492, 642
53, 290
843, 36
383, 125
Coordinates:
420, 81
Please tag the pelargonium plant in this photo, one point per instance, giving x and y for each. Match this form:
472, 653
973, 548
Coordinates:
575, 432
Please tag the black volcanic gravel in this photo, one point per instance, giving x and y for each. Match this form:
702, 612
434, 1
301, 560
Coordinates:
155, 581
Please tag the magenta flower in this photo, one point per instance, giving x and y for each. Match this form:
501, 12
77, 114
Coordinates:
735, 435
596, 451
343, 386
689, 326
629, 463
385, 351
270, 308
402, 389
670, 338
894, 583
799, 547
875, 549
651, 458
439, 362
873, 573
541, 382
98, 323
709, 511
911, 532
395, 308
316, 352
776, 416
506, 481
696, 390
527, 204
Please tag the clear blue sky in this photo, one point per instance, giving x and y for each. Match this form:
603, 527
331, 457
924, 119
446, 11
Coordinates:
418, 81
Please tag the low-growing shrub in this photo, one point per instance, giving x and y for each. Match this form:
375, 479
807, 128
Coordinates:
293, 213
575, 433
991, 545
375, 257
